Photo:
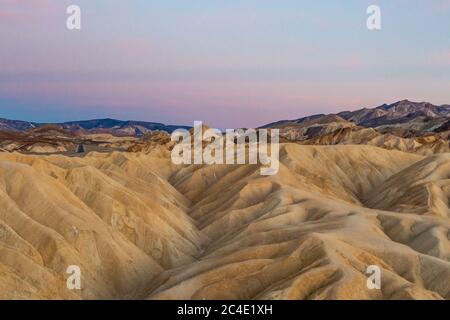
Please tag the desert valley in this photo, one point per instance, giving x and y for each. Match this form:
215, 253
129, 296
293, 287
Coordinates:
354, 189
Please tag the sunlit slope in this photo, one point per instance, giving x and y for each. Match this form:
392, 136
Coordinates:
140, 227
304, 233
113, 216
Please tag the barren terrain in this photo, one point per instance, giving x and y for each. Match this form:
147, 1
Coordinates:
140, 227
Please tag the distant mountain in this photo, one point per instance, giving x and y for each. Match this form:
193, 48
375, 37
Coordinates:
113, 126
119, 127
402, 118
284, 123
306, 121
16, 125
416, 127
396, 113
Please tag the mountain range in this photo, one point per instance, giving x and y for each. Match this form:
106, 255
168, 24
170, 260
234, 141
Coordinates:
113, 126
418, 127
357, 189
417, 117
421, 116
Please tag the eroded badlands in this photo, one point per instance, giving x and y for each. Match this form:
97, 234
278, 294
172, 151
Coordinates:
140, 227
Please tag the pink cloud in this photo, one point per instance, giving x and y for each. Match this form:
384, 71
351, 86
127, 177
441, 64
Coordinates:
9, 16
353, 62
444, 4
19, 11
442, 58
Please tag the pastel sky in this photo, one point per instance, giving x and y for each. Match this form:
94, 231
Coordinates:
229, 63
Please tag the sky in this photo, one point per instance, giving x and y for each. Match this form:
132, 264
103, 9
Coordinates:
228, 63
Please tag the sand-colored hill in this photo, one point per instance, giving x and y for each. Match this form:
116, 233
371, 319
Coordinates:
304, 234
424, 145
140, 227
116, 217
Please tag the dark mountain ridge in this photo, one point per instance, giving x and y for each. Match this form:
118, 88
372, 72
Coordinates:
422, 116
413, 116
107, 125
